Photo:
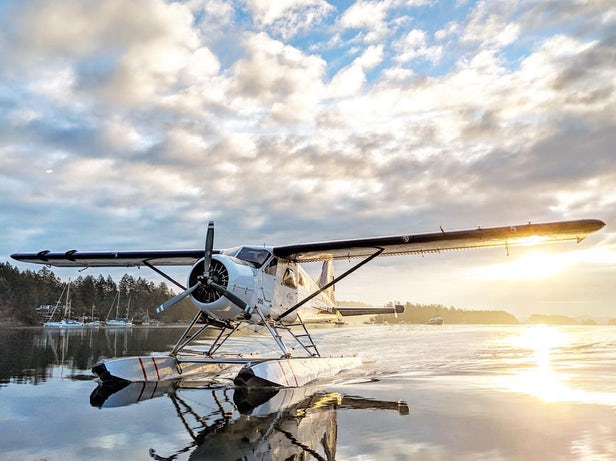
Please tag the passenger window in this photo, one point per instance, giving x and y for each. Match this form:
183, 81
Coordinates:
288, 279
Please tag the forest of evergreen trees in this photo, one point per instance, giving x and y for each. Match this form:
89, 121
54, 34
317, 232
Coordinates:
22, 292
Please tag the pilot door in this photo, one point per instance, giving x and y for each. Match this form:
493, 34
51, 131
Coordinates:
268, 282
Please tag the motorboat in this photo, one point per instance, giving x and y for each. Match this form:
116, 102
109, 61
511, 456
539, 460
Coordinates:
436, 320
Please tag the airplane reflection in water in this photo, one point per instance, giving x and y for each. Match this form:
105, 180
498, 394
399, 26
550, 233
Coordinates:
247, 423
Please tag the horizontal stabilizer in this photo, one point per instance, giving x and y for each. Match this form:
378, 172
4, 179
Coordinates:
369, 310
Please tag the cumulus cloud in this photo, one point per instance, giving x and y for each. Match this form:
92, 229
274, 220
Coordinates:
133, 52
370, 16
280, 75
491, 27
414, 45
289, 17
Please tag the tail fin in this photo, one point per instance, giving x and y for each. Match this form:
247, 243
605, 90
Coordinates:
327, 275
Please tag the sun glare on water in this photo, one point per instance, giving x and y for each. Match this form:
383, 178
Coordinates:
541, 378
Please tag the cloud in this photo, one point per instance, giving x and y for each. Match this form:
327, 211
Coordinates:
278, 75
491, 26
287, 18
133, 52
367, 15
414, 45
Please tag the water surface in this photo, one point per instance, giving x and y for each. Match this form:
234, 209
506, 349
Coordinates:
424, 393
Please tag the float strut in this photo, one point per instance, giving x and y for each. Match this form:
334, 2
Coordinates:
273, 332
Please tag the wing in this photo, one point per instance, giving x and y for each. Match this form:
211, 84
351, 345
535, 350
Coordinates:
74, 258
337, 249
526, 234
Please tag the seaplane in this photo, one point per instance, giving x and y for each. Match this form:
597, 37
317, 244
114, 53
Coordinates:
267, 288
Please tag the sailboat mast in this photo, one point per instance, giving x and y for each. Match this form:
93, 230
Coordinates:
67, 305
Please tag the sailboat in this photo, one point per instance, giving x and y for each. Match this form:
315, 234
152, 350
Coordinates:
119, 321
67, 321
92, 323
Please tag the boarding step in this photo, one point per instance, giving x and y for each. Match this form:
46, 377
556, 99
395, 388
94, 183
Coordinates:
302, 336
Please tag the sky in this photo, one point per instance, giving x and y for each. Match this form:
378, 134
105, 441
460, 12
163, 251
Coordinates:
129, 124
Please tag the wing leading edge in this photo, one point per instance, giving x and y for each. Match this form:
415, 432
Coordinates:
74, 258
526, 234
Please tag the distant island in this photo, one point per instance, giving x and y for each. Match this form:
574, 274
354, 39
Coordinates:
27, 297
426, 313
423, 313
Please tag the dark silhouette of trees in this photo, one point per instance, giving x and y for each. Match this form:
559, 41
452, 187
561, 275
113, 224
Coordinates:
22, 292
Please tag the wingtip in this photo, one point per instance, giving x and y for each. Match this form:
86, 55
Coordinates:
596, 224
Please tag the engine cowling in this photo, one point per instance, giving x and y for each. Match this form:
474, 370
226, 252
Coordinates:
233, 274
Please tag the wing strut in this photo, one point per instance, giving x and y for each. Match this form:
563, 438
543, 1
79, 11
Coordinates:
161, 273
327, 285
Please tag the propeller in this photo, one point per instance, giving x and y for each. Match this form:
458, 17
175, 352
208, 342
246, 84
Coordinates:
177, 298
208, 279
209, 246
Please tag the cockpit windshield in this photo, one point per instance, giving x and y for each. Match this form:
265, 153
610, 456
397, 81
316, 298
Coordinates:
255, 256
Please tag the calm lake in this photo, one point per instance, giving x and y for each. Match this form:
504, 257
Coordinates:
425, 393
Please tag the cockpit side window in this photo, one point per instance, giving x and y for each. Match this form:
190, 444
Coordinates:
271, 267
255, 256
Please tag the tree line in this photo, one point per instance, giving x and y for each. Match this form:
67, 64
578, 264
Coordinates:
21, 293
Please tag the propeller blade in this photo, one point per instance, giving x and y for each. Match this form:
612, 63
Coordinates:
239, 302
209, 245
177, 298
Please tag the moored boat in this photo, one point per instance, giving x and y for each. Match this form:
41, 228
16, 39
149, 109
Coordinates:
67, 321
119, 322
64, 323
436, 320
